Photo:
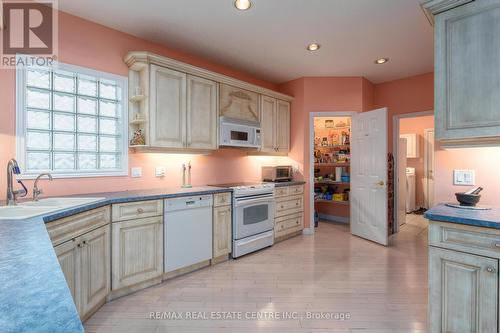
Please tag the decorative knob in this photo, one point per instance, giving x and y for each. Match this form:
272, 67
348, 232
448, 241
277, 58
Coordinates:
140, 210
490, 269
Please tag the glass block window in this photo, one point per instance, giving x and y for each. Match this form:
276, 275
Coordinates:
71, 121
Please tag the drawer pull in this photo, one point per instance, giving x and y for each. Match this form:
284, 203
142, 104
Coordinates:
490, 269
140, 210
282, 206
497, 245
296, 204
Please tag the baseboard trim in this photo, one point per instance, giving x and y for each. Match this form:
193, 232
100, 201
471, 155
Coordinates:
334, 218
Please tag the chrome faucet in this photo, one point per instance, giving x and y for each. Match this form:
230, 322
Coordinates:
37, 191
13, 169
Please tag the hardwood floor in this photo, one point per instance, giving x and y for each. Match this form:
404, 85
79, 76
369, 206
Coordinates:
384, 290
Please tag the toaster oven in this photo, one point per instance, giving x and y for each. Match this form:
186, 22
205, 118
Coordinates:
277, 173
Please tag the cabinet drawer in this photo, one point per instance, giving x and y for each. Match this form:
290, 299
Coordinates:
475, 240
134, 210
222, 199
288, 224
289, 206
294, 190
70, 227
281, 191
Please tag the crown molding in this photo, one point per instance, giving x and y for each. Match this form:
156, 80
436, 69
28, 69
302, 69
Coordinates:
136, 60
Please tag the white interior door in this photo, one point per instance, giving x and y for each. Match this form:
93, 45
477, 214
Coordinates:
401, 182
429, 167
369, 176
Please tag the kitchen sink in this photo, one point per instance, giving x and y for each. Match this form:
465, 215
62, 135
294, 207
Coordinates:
59, 202
29, 209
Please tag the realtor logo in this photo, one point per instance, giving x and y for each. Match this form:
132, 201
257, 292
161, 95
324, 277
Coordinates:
29, 33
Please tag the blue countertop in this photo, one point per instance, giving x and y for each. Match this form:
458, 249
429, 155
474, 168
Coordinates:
34, 296
480, 218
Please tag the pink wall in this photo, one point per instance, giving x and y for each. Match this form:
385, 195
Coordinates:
417, 125
416, 94
88, 44
321, 94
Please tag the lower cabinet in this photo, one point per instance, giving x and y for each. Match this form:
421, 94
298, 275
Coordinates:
222, 231
289, 212
137, 251
85, 263
463, 283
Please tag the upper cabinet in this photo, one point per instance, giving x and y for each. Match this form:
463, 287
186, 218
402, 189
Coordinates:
239, 103
275, 125
168, 108
176, 106
467, 80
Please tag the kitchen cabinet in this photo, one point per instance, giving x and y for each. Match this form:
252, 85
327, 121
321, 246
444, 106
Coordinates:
289, 212
275, 125
222, 220
176, 106
463, 278
136, 251
85, 264
467, 82
201, 113
168, 108
238, 103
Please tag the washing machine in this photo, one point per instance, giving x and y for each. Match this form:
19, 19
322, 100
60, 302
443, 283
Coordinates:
410, 190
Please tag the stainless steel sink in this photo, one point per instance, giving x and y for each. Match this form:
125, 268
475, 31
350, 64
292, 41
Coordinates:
29, 209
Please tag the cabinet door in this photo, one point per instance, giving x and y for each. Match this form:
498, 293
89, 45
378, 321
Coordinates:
268, 111
463, 292
467, 78
167, 108
201, 113
67, 254
238, 103
222, 231
137, 251
283, 127
94, 268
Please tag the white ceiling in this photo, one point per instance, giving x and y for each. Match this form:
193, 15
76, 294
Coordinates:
269, 40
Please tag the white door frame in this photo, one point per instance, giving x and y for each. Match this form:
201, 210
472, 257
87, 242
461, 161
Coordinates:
395, 143
426, 167
312, 115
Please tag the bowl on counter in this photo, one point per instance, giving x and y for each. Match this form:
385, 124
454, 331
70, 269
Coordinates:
467, 199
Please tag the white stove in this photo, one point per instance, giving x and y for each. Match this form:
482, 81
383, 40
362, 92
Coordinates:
253, 216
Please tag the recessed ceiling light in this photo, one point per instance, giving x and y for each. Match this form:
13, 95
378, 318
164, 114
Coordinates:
313, 47
381, 61
242, 4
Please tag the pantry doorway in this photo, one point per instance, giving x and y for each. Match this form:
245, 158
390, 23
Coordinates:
331, 154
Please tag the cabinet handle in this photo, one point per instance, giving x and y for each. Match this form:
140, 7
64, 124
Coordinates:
282, 206
497, 245
140, 210
490, 269
79, 245
296, 204
84, 242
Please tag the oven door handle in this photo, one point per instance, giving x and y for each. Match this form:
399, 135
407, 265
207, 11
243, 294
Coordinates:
246, 201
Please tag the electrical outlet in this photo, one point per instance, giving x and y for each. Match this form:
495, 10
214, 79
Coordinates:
136, 172
464, 177
160, 171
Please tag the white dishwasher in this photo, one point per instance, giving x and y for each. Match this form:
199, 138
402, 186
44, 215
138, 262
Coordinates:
188, 231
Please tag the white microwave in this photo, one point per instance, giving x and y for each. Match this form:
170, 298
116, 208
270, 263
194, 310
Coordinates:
239, 133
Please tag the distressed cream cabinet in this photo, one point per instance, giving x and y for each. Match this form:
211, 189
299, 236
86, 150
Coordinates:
289, 212
467, 80
275, 125
463, 278
137, 246
176, 106
183, 110
222, 227
85, 263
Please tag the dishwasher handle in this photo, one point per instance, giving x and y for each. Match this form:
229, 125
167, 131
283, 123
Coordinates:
193, 202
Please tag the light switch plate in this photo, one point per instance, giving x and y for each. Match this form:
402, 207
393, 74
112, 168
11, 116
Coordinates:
136, 172
464, 177
160, 171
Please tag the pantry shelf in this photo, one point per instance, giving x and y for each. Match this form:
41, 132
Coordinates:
333, 202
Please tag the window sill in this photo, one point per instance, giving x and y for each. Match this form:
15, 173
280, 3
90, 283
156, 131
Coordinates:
75, 175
